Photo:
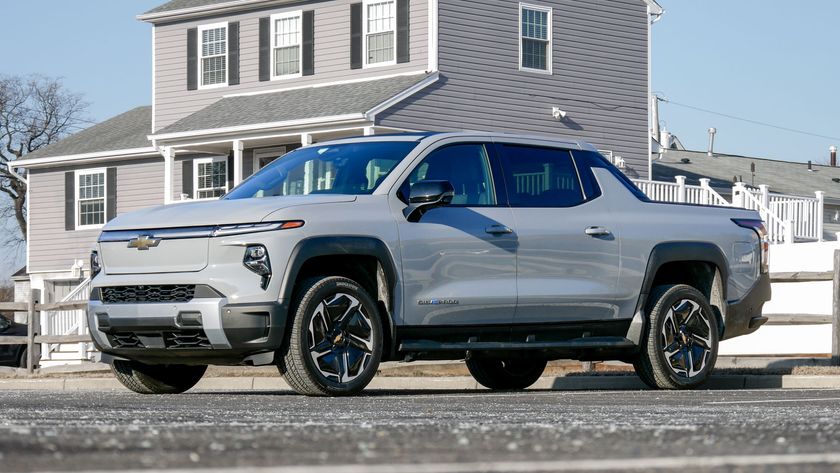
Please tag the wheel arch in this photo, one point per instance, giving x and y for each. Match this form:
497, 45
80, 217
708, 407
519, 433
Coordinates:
364, 259
701, 265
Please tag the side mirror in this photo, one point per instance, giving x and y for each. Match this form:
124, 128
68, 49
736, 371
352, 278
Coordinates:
427, 195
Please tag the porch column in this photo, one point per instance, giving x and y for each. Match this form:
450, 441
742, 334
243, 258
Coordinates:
820, 213
168, 158
238, 147
306, 140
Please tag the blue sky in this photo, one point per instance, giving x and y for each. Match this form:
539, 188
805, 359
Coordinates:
774, 62
769, 61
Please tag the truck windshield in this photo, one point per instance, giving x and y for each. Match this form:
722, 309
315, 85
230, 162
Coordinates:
351, 169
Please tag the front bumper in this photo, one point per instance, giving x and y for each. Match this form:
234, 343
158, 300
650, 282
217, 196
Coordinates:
206, 330
744, 316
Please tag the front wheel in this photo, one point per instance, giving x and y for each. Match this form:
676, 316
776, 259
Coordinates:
157, 379
506, 374
680, 345
335, 343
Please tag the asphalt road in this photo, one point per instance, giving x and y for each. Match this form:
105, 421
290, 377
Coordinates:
779, 430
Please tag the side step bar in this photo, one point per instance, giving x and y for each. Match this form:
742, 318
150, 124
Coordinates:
573, 344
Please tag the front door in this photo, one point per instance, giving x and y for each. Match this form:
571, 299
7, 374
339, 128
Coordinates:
459, 261
568, 255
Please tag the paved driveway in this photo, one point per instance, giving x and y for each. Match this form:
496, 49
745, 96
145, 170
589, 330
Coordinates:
790, 430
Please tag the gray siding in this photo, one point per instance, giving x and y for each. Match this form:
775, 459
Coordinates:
51, 248
600, 75
332, 56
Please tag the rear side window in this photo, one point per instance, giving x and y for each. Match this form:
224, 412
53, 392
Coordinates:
540, 177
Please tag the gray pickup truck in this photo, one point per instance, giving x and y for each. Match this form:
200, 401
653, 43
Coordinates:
506, 251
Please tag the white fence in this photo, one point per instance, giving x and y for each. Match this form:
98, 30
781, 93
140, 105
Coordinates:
66, 322
788, 217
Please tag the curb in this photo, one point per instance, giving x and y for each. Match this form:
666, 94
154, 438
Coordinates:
454, 383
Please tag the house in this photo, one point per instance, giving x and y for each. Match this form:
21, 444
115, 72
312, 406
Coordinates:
781, 177
238, 83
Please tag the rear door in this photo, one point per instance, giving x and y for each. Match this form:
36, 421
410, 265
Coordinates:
459, 261
568, 253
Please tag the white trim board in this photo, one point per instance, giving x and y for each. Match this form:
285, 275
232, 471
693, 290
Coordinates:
115, 154
325, 84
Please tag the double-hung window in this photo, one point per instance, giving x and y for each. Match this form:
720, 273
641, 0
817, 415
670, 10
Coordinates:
213, 54
535, 37
90, 198
380, 31
286, 45
211, 177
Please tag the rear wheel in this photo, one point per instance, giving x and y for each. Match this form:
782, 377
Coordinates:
335, 343
506, 374
157, 379
679, 347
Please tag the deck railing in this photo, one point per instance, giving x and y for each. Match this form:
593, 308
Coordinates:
788, 217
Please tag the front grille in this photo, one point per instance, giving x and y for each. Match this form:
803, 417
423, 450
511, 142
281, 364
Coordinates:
186, 339
155, 293
172, 340
125, 340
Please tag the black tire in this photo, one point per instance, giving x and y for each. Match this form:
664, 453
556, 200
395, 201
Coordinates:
680, 343
339, 316
157, 379
513, 374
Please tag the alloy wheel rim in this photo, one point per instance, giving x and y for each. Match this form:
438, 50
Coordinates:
340, 338
686, 338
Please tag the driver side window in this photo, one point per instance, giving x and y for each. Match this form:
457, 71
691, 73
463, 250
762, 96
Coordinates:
465, 166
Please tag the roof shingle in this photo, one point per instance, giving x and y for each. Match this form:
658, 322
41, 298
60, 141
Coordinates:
294, 104
125, 131
783, 177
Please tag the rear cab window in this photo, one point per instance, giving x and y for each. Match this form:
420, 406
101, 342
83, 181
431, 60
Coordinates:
544, 177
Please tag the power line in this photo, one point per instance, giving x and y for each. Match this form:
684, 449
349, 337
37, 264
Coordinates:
748, 120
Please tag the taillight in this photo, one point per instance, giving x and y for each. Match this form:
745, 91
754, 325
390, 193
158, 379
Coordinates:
764, 243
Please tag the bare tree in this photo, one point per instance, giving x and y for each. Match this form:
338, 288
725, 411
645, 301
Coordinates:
34, 112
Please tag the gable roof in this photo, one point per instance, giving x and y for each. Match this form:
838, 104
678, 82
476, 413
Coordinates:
784, 177
350, 100
183, 4
125, 131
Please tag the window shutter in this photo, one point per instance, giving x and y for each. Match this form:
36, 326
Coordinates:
356, 43
192, 58
233, 53
403, 22
187, 178
69, 201
308, 33
110, 194
265, 49
230, 172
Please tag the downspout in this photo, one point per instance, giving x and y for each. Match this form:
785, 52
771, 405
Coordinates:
15, 174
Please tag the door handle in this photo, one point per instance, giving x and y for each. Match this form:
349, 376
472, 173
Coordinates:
597, 231
498, 230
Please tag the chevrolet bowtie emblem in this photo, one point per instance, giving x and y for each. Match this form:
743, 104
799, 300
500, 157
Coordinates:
144, 242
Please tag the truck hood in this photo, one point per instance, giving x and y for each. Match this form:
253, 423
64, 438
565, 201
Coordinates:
216, 212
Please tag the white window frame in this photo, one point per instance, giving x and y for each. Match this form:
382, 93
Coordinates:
212, 159
200, 57
77, 204
278, 151
281, 16
549, 49
366, 33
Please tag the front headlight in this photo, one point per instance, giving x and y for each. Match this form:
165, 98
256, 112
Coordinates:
227, 230
95, 266
256, 259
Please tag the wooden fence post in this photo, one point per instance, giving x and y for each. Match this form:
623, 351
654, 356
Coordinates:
33, 324
835, 312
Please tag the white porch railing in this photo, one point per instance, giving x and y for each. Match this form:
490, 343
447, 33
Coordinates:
681, 192
66, 322
787, 217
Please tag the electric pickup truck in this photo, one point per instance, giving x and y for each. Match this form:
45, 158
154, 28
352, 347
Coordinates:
506, 251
